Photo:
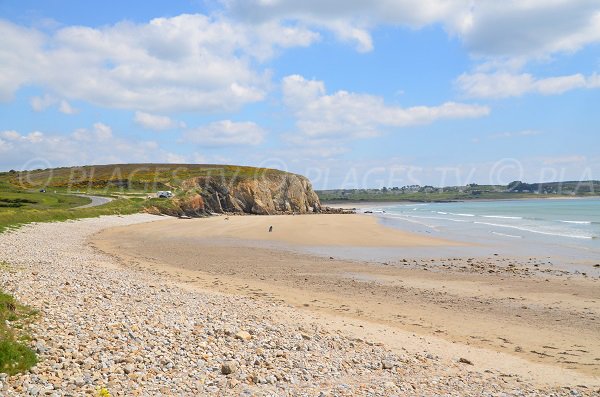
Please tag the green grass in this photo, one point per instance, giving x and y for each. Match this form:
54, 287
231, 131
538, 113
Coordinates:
16, 217
127, 178
35, 200
18, 207
15, 355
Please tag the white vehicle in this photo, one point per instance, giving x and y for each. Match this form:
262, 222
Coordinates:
164, 194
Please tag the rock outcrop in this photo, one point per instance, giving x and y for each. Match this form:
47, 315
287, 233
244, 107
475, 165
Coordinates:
199, 189
267, 194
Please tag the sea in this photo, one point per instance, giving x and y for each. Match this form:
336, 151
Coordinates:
564, 232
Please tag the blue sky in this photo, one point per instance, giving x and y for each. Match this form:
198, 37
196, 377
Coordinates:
352, 94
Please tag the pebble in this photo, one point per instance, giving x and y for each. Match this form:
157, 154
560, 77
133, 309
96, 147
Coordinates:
228, 367
243, 335
136, 333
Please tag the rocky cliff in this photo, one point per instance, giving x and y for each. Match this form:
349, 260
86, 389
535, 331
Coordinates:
271, 193
200, 189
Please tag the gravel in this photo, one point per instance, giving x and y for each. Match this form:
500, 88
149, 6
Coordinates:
136, 333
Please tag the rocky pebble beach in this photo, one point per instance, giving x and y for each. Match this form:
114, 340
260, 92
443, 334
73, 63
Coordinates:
135, 333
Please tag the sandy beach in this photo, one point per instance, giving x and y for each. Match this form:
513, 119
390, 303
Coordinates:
139, 331
306, 230
519, 318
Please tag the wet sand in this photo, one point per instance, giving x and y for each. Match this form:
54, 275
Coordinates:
502, 313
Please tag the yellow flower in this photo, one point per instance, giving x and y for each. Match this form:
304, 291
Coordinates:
103, 392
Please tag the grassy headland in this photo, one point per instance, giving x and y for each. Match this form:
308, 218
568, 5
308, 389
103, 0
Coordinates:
128, 178
132, 185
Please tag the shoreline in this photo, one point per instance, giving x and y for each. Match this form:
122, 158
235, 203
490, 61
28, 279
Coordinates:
143, 330
390, 203
424, 295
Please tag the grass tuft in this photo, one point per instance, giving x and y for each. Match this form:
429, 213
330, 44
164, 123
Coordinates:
15, 356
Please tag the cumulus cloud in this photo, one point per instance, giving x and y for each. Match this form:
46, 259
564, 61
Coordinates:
41, 103
529, 28
187, 62
225, 133
352, 115
349, 20
13, 136
18, 61
66, 108
94, 145
99, 133
156, 122
503, 84
493, 28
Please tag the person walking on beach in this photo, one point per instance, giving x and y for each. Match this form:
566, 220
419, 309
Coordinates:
270, 229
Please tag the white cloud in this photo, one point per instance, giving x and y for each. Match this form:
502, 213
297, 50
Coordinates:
18, 61
514, 134
95, 145
102, 132
99, 133
225, 133
345, 31
349, 20
504, 84
4, 146
11, 135
156, 122
530, 28
41, 103
352, 115
188, 62
66, 108
14, 136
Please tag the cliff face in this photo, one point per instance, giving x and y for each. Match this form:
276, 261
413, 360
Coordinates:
200, 189
274, 193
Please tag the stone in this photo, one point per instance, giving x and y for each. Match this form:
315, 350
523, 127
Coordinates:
137, 332
386, 364
229, 367
243, 335
389, 385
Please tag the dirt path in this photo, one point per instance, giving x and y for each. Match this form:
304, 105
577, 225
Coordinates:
96, 201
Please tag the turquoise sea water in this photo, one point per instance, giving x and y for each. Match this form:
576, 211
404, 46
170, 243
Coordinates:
570, 219
566, 230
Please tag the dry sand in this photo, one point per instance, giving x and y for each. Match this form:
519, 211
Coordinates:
500, 313
307, 230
